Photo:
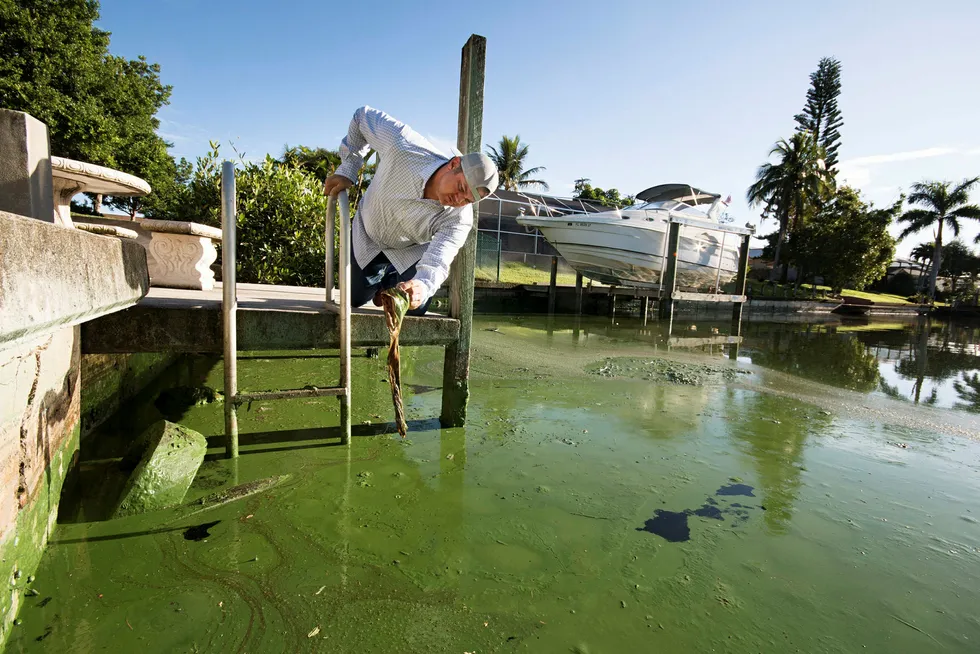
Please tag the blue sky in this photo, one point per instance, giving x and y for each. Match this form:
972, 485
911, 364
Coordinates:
628, 94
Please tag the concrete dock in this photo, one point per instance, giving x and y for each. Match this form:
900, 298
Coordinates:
269, 318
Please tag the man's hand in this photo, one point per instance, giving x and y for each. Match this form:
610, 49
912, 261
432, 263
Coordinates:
335, 184
416, 292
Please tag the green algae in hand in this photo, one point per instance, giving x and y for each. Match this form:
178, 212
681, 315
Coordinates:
395, 302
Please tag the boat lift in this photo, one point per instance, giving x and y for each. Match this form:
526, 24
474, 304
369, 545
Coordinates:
229, 311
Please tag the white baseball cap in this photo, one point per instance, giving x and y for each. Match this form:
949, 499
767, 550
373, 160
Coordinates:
480, 173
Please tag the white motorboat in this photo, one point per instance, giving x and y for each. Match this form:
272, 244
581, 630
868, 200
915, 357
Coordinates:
626, 247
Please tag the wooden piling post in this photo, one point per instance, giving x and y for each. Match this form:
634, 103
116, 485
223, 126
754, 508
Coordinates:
456, 370
669, 281
578, 294
740, 282
645, 308
553, 286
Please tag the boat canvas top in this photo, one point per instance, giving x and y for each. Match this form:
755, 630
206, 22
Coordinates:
677, 192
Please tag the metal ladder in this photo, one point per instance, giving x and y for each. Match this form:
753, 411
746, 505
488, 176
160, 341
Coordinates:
229, 311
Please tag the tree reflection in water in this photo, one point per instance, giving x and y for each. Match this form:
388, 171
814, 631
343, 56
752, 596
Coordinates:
774, 434
969, 392
940, 359
828, 357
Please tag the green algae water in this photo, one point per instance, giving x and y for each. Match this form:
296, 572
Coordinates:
610, 492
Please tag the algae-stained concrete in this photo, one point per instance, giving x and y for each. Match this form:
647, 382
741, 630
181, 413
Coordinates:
110, 379
170, 457
166, 326
55, 277
39, 409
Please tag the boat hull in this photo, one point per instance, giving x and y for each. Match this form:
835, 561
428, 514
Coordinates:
630, 252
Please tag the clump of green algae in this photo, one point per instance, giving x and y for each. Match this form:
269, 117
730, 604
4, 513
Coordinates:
395, 302
664, 370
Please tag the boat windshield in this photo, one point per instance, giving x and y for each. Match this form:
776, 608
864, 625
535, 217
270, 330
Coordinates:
676, 206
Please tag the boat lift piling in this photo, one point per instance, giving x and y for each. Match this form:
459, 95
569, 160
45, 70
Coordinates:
669, 294
553, 286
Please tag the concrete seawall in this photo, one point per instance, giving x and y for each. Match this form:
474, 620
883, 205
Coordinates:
534, 299
52, 278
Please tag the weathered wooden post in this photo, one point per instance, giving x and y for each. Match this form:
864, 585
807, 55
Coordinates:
578, 294
740, 281
456, 370
666, 303
553, 286
645, 308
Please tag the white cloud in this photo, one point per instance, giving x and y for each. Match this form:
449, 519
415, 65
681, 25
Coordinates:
170, 136
973, 152
857, 172
899, 156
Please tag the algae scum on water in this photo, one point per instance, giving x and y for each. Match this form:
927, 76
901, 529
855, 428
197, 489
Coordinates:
600, 498
665, 370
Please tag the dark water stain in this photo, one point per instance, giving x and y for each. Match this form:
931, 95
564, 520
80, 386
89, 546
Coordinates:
670, 525
418, 389
44, 602
199, 532
673, 526
47, 632
709, 511
736, 489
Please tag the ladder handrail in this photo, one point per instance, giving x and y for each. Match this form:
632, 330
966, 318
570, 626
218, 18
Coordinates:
229, 304
344, 279
229, 310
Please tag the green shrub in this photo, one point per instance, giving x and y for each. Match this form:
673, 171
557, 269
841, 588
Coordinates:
281, 211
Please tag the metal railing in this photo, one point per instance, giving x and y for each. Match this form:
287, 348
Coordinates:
229, 311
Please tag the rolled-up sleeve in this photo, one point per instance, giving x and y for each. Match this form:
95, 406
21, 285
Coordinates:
433, 268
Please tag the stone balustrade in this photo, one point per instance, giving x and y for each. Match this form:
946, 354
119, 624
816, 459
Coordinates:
179, 254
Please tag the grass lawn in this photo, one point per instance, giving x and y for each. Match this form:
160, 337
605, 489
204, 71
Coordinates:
823, 292
518, 273
880, 298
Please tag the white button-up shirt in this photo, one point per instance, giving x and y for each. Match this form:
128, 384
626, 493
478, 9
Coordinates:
393, 217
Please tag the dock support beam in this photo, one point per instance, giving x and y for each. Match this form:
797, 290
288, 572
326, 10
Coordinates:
553, 286
456, 370
578, 294
645, 308
740, 281
669, 281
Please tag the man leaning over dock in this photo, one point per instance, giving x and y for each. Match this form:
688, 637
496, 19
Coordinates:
416, 213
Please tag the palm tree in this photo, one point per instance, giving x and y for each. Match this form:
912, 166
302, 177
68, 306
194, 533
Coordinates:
793, 187
942, 205
922, 252
509, 160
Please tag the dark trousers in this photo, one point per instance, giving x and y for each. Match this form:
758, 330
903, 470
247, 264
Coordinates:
377, 276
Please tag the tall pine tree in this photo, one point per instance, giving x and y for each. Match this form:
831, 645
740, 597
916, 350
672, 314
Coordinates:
820, 116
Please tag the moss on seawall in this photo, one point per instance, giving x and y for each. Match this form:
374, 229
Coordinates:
21, 551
